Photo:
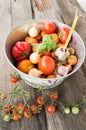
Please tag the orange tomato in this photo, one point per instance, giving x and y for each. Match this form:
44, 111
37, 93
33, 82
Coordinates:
72, 59
25, 65
43, 33
16, 117
54, 37
31, 40
52, 54
47, 53
60, 45
51, 76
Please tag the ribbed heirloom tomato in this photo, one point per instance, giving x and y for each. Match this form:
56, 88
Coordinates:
46, 65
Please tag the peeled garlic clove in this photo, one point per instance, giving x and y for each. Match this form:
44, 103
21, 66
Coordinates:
35, 72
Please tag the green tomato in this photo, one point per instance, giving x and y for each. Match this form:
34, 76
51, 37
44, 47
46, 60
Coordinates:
67, 110
75, 110
6, 118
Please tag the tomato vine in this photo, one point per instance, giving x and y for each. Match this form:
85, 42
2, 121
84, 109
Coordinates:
13, 111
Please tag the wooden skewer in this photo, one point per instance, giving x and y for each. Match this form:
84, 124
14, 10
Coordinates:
72, 29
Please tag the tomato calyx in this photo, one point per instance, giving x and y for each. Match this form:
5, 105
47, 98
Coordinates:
40, 101
35, 109
25, 53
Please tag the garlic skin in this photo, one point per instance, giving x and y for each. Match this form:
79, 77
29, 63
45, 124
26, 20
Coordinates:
62, 70
62, 53
35, 73
33, 31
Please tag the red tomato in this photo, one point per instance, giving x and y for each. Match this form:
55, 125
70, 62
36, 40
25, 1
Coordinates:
63, 34
40, 101
27, 114
21, 50
46, 65
50, 109
21, 106
16, 117
43, 33
35, 109
54, 95
49, 27
14, 79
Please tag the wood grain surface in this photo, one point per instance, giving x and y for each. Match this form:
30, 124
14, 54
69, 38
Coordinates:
14, 12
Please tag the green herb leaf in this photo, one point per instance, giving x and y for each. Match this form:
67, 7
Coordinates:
47, 44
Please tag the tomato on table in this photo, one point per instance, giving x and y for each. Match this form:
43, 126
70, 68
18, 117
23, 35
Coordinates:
46, 65
54, 95
35, 109
51, 109
49, 27
27, 114
40, 101
16, 117
14, 79
63, 34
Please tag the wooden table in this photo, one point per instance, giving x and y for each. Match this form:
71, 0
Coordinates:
14, 12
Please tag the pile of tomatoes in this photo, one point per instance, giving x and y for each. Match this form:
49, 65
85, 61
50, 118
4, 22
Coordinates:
38, 59
16, 112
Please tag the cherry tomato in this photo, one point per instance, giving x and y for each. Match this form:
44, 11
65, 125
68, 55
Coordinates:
21, 106
46, 65
63, 34
72, 59
3, 96
27, 114
16, 117
35, 109
31, 40
14, 79
43, 33
49, 27
50, 109
54, 95
40, 101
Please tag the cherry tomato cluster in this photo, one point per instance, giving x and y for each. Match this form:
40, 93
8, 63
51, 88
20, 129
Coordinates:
13, 111
39, 50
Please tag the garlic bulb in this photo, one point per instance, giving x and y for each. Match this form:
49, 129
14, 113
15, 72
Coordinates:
62, 53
